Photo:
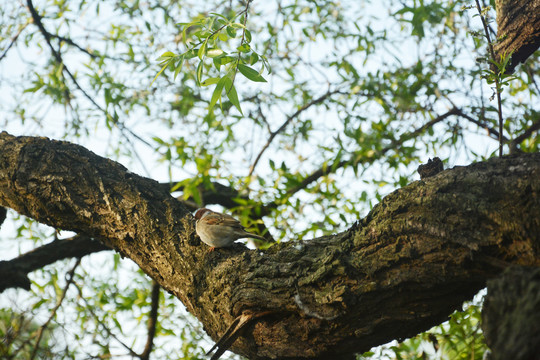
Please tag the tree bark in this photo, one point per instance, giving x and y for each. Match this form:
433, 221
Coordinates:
405, 267
511, 315
518, 30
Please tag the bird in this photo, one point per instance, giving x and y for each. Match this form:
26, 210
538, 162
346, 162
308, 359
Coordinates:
220, 230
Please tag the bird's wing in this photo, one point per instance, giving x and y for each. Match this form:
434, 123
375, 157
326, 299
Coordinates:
222, 220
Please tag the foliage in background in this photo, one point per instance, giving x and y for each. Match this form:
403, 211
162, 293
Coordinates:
458, 338
358, 95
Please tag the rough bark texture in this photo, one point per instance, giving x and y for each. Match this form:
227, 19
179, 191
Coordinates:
405, 267
511, 315
518, 30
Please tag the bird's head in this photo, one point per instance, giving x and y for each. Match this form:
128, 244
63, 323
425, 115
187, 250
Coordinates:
200, 213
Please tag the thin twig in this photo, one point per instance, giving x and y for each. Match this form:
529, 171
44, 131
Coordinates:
58, 57
326, 170
102, 324
483, 125
69, 278
497, 88
72, 43
14, 40
246, 12
152, 321
286, 123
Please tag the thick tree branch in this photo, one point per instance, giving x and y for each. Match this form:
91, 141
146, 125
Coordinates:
3, 215
518, 30
15, 272
405, 267
510, 316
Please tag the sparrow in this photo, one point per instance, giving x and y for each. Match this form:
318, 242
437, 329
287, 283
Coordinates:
220, 230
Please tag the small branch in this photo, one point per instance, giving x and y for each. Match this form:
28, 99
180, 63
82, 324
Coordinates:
13, 40
224, 195
483, 125
103, 325
37, 20
69, 278
530, 72
497, 86
74, 44
325, 170
233, 332
58, 57
516, 141
152, 321
246, 12
286, 123
218, 194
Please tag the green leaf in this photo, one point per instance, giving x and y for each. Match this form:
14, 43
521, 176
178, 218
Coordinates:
216, 95
223, 60
250, 73
253, 58
166, 56
231, 31
37, 85
244, 48
191, 53
210, 81
238, 25
199, 72
230, 90
219, 15
214, 52
159, 73
179, 66
247, 35
202, 50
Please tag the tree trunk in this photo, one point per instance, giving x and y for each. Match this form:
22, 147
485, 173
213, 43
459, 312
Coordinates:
403, 268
